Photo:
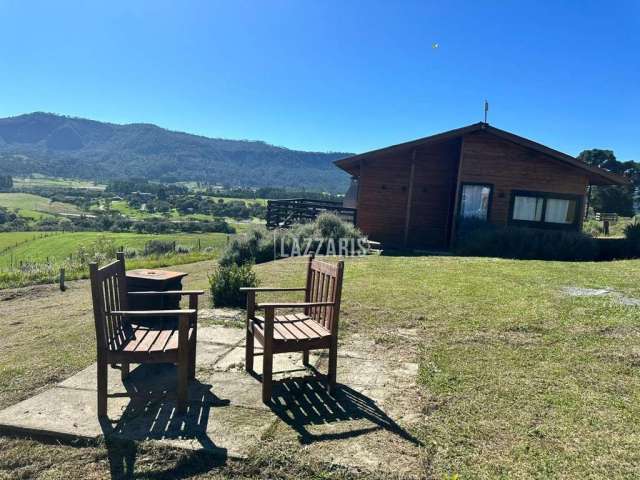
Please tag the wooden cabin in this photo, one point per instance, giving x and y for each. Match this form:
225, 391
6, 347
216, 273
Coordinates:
412, 194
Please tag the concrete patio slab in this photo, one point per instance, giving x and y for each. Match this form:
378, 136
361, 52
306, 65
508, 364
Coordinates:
355, 425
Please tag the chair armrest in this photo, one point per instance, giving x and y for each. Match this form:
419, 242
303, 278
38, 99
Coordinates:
294, 304
168, 292
153, 313
272, 289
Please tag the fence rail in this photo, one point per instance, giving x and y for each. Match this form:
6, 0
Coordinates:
284, 213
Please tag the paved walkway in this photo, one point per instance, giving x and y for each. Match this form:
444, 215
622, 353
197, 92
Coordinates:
365, 424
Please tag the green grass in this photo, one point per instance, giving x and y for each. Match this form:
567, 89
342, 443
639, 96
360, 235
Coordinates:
43, 181
35, 206
592, 227
260, 201
12, 239
58, 246
517, 379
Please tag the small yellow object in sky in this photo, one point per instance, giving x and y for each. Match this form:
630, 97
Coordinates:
435, 45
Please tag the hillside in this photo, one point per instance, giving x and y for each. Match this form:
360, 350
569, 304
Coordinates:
63, 146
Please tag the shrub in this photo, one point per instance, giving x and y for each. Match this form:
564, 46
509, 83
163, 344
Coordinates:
225, 284
259, 245
182, 249
255, 246
614, 248
158, 247
632, 233
130, 252
101, 250
527, 244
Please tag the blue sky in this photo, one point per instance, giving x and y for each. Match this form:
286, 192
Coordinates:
340, 76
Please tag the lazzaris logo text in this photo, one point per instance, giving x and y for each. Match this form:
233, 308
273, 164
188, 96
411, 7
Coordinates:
299, 247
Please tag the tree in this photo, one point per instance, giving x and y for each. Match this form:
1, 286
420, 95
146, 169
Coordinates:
611, 199
6, 183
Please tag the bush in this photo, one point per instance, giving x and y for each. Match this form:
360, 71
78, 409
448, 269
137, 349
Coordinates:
614, 248
159, 247
632, 233
322, 236
526, 244
225, 284
255, 246
182, 249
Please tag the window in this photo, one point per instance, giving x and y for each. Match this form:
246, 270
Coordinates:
560, 211
527, 208
544, 208
475, 200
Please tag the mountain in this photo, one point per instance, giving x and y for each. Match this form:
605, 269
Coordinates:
63, 146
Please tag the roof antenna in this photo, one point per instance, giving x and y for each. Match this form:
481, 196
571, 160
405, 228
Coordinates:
486, 110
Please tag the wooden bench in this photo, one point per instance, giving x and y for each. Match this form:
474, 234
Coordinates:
121, 341
313, 326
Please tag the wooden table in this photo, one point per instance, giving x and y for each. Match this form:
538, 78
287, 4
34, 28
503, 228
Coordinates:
154, 280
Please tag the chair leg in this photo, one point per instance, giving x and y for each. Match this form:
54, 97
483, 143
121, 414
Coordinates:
305, 358
183, 386
124, 371
333, 367
102, 388
248, 352
192, 360
267, 376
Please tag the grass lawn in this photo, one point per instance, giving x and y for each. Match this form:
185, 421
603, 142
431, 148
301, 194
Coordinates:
35, 206
518, 379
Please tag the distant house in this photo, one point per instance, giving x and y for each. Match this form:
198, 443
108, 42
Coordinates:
411, 194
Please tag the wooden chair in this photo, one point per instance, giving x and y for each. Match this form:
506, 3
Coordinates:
315, 326
121, 341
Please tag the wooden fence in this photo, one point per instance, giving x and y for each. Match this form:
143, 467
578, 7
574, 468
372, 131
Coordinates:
284, 213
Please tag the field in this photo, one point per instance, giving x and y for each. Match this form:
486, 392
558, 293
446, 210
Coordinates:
36, 257
35, 206
43, 181
519, 378
58, 245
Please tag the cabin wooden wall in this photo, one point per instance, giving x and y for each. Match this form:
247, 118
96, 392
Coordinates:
490, 159
433, 194
384, 189
382, 198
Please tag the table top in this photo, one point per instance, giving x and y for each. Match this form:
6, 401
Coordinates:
155, 274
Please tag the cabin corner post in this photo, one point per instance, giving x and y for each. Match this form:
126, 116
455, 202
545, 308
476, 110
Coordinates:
456, 198
407, 220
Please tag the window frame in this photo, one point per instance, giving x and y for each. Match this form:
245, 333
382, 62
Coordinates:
476, 184
575, 225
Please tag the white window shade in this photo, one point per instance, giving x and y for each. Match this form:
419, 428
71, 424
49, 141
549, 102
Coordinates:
560, 211
475, 201
527, 208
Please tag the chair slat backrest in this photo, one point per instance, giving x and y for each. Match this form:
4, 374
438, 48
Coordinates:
324, 284
109, 293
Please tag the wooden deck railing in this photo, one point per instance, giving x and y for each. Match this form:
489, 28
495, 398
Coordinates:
284, 213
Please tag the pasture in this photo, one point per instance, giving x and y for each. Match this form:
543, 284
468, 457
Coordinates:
38, 181
518, 377
36, 257
35, 206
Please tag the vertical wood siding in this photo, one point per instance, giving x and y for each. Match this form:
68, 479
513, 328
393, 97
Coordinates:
384, 189
489, 159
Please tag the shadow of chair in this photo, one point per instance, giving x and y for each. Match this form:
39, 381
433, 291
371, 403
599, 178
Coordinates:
151, 415
305, 402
